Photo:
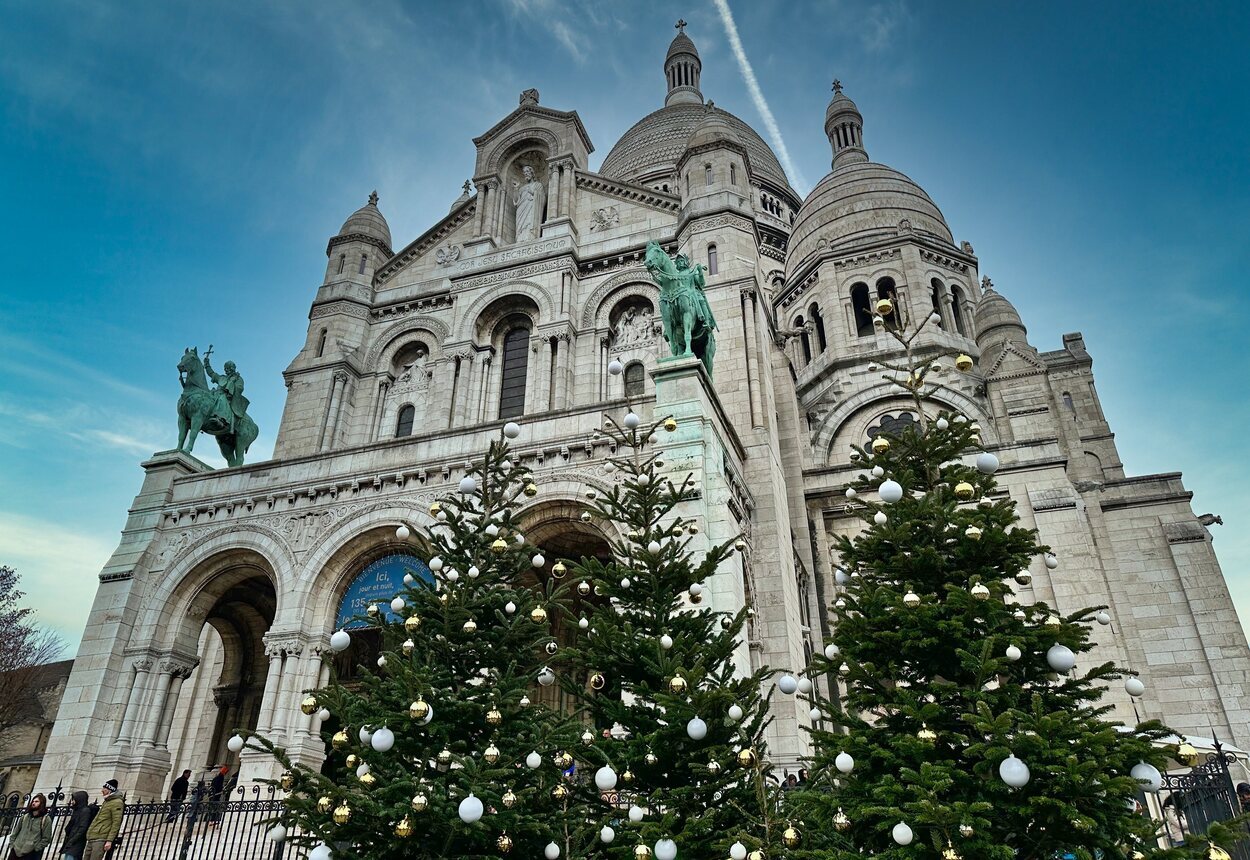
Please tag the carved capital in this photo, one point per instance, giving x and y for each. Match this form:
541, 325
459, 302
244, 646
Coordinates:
340, 376
144, 664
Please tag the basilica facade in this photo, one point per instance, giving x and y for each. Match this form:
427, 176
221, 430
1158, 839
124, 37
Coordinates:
216, 607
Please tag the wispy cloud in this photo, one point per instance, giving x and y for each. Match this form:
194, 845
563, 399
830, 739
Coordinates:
881, 22
757, 95
552, 15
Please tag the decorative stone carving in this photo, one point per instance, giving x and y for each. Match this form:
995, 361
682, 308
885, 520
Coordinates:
604, 218
527, 199
447, 255
529, 97
904, 227
966, 247
635, 328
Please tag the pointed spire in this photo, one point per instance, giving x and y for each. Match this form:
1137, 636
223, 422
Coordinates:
844, 126
681, 69
373, 198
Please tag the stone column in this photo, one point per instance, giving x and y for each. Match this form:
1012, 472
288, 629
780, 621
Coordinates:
138, 688
312, 726
171, 708
289, 716
751, 322
563, 366
463, 393
553, 191
152, 725
602, 374
479, 216
483, 387
265, 721
379, 409
946, 301
538, 374
567, 180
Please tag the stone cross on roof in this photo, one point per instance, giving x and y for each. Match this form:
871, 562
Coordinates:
373, 198
680, 25
837, 85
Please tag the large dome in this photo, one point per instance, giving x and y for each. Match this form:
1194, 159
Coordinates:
656, 142
857, 203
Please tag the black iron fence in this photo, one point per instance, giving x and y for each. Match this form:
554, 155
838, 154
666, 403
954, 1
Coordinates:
202, 827
1192, 802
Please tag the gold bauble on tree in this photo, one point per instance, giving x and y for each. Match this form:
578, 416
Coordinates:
531, 490
840, 822
651, 759
409, 646
435, 508
885, 307
641, 852
949, 852
627, 776
791, 837
1187, 754
342, 813
964, 491
352, 762
670, 424
713, 767
963, 363
677, 685
583, 588
972, 533
756, 855
597, 681
558, 570
309, 706
420, 802
965, 830
412, 623
368, 780
419, 709
588, 737
538, 615
504, 843
747, 757
373, 610
926, 734
287, 781
324, 804
493, 717
444, 756
1215, 852
509, 799
499, 545
880, 445
551, 648
560, 792
470, 627
404, 828
339, 741
585, 516
491, 754
564, 760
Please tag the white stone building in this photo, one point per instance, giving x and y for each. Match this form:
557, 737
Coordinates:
214, 609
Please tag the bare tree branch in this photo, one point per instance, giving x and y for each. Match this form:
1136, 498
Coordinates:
25, 650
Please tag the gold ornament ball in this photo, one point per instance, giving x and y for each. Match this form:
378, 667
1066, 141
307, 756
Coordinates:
740, 545
1053, 621
791, 837
885, 307
696, 599
368, 780
420, 802
980, 592
756, 855
964, 490
677, 685
525, 701
965, 830
560, 792
287, 781
949, 853
1187, 754
309, 706
1215, 852
844, 669
972, 533
419, 709
404, 828
444, 756
880, 445
504, 843
342, 814
412, 623
531, 490
493, 717
583, 588
911, 600
588, 737
509, 799
409, 646
840, 822
352, 762
558, 570
627, 776
585, 516
747, 757
713, 767
597, 681
926, 734
470, 627
492, 754
442, 598
963, 363
564, 760
1024, 577
670, 424
435, 508
339, 741
372, 610
641, 852
499, 545
693, 529
538, 615
324, 804
651, 759
551, 648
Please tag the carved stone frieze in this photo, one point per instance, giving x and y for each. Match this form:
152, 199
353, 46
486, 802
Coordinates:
447, 255
605, 218
514, 274
512, 254
351, 309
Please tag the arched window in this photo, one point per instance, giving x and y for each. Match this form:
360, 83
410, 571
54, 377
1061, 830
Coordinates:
342, 262
891, 425
861, 309
635, 379
707, 174
818, 322
805, 340
1067, 402
957, 310
713, 260
936, 297
363, 259
321, 342
733, 174
516, 345
407, 414
887, 290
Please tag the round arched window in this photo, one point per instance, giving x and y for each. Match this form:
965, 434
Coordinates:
891, 425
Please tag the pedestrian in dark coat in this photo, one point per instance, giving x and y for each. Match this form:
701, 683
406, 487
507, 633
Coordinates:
75, 841
178, 794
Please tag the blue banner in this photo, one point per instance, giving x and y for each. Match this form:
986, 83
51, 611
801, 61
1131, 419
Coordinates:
378, 583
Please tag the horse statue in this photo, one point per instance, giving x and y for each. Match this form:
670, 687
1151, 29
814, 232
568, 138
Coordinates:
220, 411
688, 322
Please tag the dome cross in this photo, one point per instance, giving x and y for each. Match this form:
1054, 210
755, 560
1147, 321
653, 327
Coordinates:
837, 85
373, 198
680, 25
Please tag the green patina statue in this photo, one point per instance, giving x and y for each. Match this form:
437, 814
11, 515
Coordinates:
689, 326
220, 412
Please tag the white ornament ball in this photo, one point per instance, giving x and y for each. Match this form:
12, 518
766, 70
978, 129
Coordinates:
1014, 772
697, 729
362, 770
235, 744
381, 661
518, 539
943, 424
815, 714
735, 712
1103, 618
635, 814
1134, 687
632, 421
467, 487
509, 608
583, 623
383, 739
625, 583
533, 761
1051, 561
787, 684
340, 640
492, 530
1148, 775
844, 762
323, 714
538, 560
397, 604
851, 493
429, 715
615, 367
452, 574
436, 564
511, 430
654, 547
320, 852
665, 849
473, 572
605, 778
277, 833
644, 480
987, 463
552, 851
1013, 653
890, 491
364, 734
877, 471
840, 577
607, 834
902, 833
737, 851
1060, 658
403, 533
666, 642
880, 518
546, 677
408, 580
470, 809
831, 651
805, 685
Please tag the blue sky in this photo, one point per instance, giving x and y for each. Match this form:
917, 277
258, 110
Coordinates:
170, 174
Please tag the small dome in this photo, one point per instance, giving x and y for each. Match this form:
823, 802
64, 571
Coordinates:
997, 319
857, 203
841, 103
713, 128
681, 44
368, 221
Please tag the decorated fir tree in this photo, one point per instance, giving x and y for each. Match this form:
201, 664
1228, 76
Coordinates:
962, 723
444, 750
679, 724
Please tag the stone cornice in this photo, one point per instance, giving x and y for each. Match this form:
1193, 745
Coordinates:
628, 191
357, 237
427, 240
402, 307
559, 116
865, 252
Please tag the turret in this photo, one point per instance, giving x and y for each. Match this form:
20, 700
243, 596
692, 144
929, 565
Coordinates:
996, 321
681, 69
844, 126
362, 244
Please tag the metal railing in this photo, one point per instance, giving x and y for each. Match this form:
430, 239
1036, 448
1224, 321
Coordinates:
202, 827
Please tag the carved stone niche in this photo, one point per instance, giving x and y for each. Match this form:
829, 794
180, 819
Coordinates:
525, 196
634, 324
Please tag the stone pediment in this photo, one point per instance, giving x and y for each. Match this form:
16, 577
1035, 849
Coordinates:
441, 244
561, 132
1015, 362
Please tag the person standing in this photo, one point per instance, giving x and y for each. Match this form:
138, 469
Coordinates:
75, 841
107, 824
33, 831
216, 792
178, 795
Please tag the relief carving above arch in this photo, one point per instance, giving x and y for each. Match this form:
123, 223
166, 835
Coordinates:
594, 312
389, 339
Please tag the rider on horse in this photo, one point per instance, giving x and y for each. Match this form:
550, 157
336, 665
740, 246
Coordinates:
229, 384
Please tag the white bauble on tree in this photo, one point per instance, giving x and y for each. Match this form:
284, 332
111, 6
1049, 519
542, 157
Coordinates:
787, 684
666, 642
635, 814
816, 715
851, 493
665, 849
737, 851
696, 728
538, 560
403, 532
632, 421
805, 685
436, 564
987, 463
902, 833
890, 491
1013, 653
880, 518
1052, 561
397, 604
533, 761
552, 851
1134, 687
942, 424
364, 734
1060, 658
340, 640
1148, 775
831, 651
615, 367
546, 677
877, 471
841, 577
383, 739
583, 623
235, 744
845, 763
509, 608
323, 714
735, 712
277, 833
606, 835
653, 547
470, 809
1103, 618
1014, 772
320, 852
511, 430
467, 486
605, 778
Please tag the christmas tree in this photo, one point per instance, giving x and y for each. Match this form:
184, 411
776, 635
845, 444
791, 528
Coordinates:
442, 753
952, 720
680, 725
